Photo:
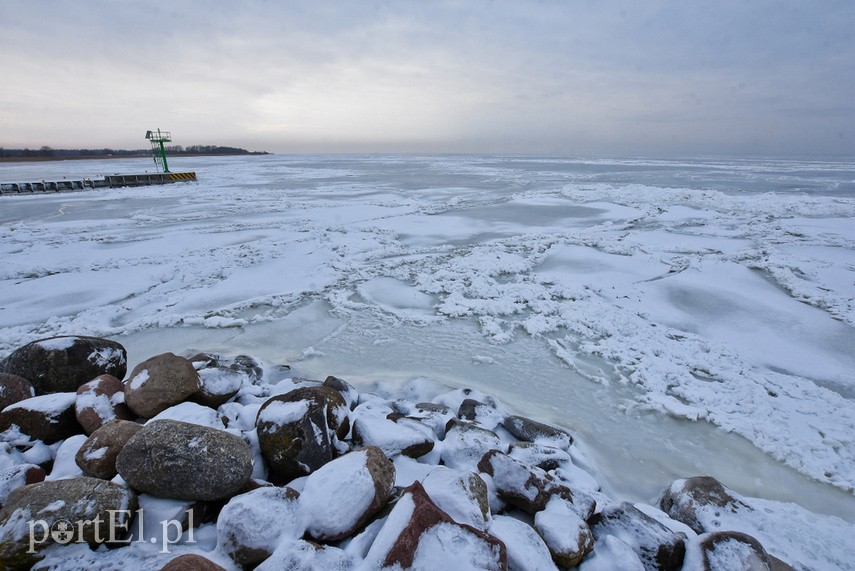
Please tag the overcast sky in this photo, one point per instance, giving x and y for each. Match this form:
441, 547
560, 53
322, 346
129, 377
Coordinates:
575, 77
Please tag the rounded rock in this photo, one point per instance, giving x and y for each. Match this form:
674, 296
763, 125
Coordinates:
97, 456
159, 383
296, 431
179, 460
99, 401
62, 364
14, 389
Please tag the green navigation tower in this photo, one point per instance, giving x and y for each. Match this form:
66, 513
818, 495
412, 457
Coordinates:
157, 139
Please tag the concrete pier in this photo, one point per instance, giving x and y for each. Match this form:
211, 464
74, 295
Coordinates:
112, 181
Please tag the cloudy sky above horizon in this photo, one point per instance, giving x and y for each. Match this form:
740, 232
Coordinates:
577, 77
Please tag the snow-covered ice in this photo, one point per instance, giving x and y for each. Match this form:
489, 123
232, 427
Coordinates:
680, 317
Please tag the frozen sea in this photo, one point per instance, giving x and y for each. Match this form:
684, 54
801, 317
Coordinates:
681, 317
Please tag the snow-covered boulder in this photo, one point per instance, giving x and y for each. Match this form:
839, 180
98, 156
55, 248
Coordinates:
251, 525
297, 431
173, 459
218, 385
436, 416
656, 546
159, 383
566, 535
193, 413
419, 535
539, 455
345, 389
14, 388
523, 486
405, 436
18, 476
466, 443
785, 530
462, 495
62, 364
686, 499
97, 456
342, 495
94, 502
533, 431
49, 418
488, 416
298, 554
729, 551
526, 549
99, 401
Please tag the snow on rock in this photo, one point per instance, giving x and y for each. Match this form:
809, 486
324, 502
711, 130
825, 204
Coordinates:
728, 551
546, 458
99, 401
97, 456
297, 430
393, 437
466, 443
192, 413
49, 418
298, 554
64, 464
526, 487
533, 431
610, 554
251, 525
219, 385
75, 499
62, 364
461, 495
656, 545
159, 383
17, 476
487, 415
343, 494
526, 549
566, 534
436, 416
418, 535
785, 530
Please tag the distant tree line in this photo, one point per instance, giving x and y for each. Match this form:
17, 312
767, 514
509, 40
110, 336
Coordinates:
48, 152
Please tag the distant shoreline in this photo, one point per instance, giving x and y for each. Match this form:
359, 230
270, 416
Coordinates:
110, 157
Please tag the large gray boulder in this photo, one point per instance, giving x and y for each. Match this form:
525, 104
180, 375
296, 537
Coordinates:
76, 510
296, 431
159, 383
173, 459
62, 364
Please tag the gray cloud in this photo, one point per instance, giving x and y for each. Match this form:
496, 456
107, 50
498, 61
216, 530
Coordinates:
503, 76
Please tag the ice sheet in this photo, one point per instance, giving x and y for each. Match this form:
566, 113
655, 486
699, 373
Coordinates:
667, 311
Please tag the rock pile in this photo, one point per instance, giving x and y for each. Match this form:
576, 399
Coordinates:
302, 474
